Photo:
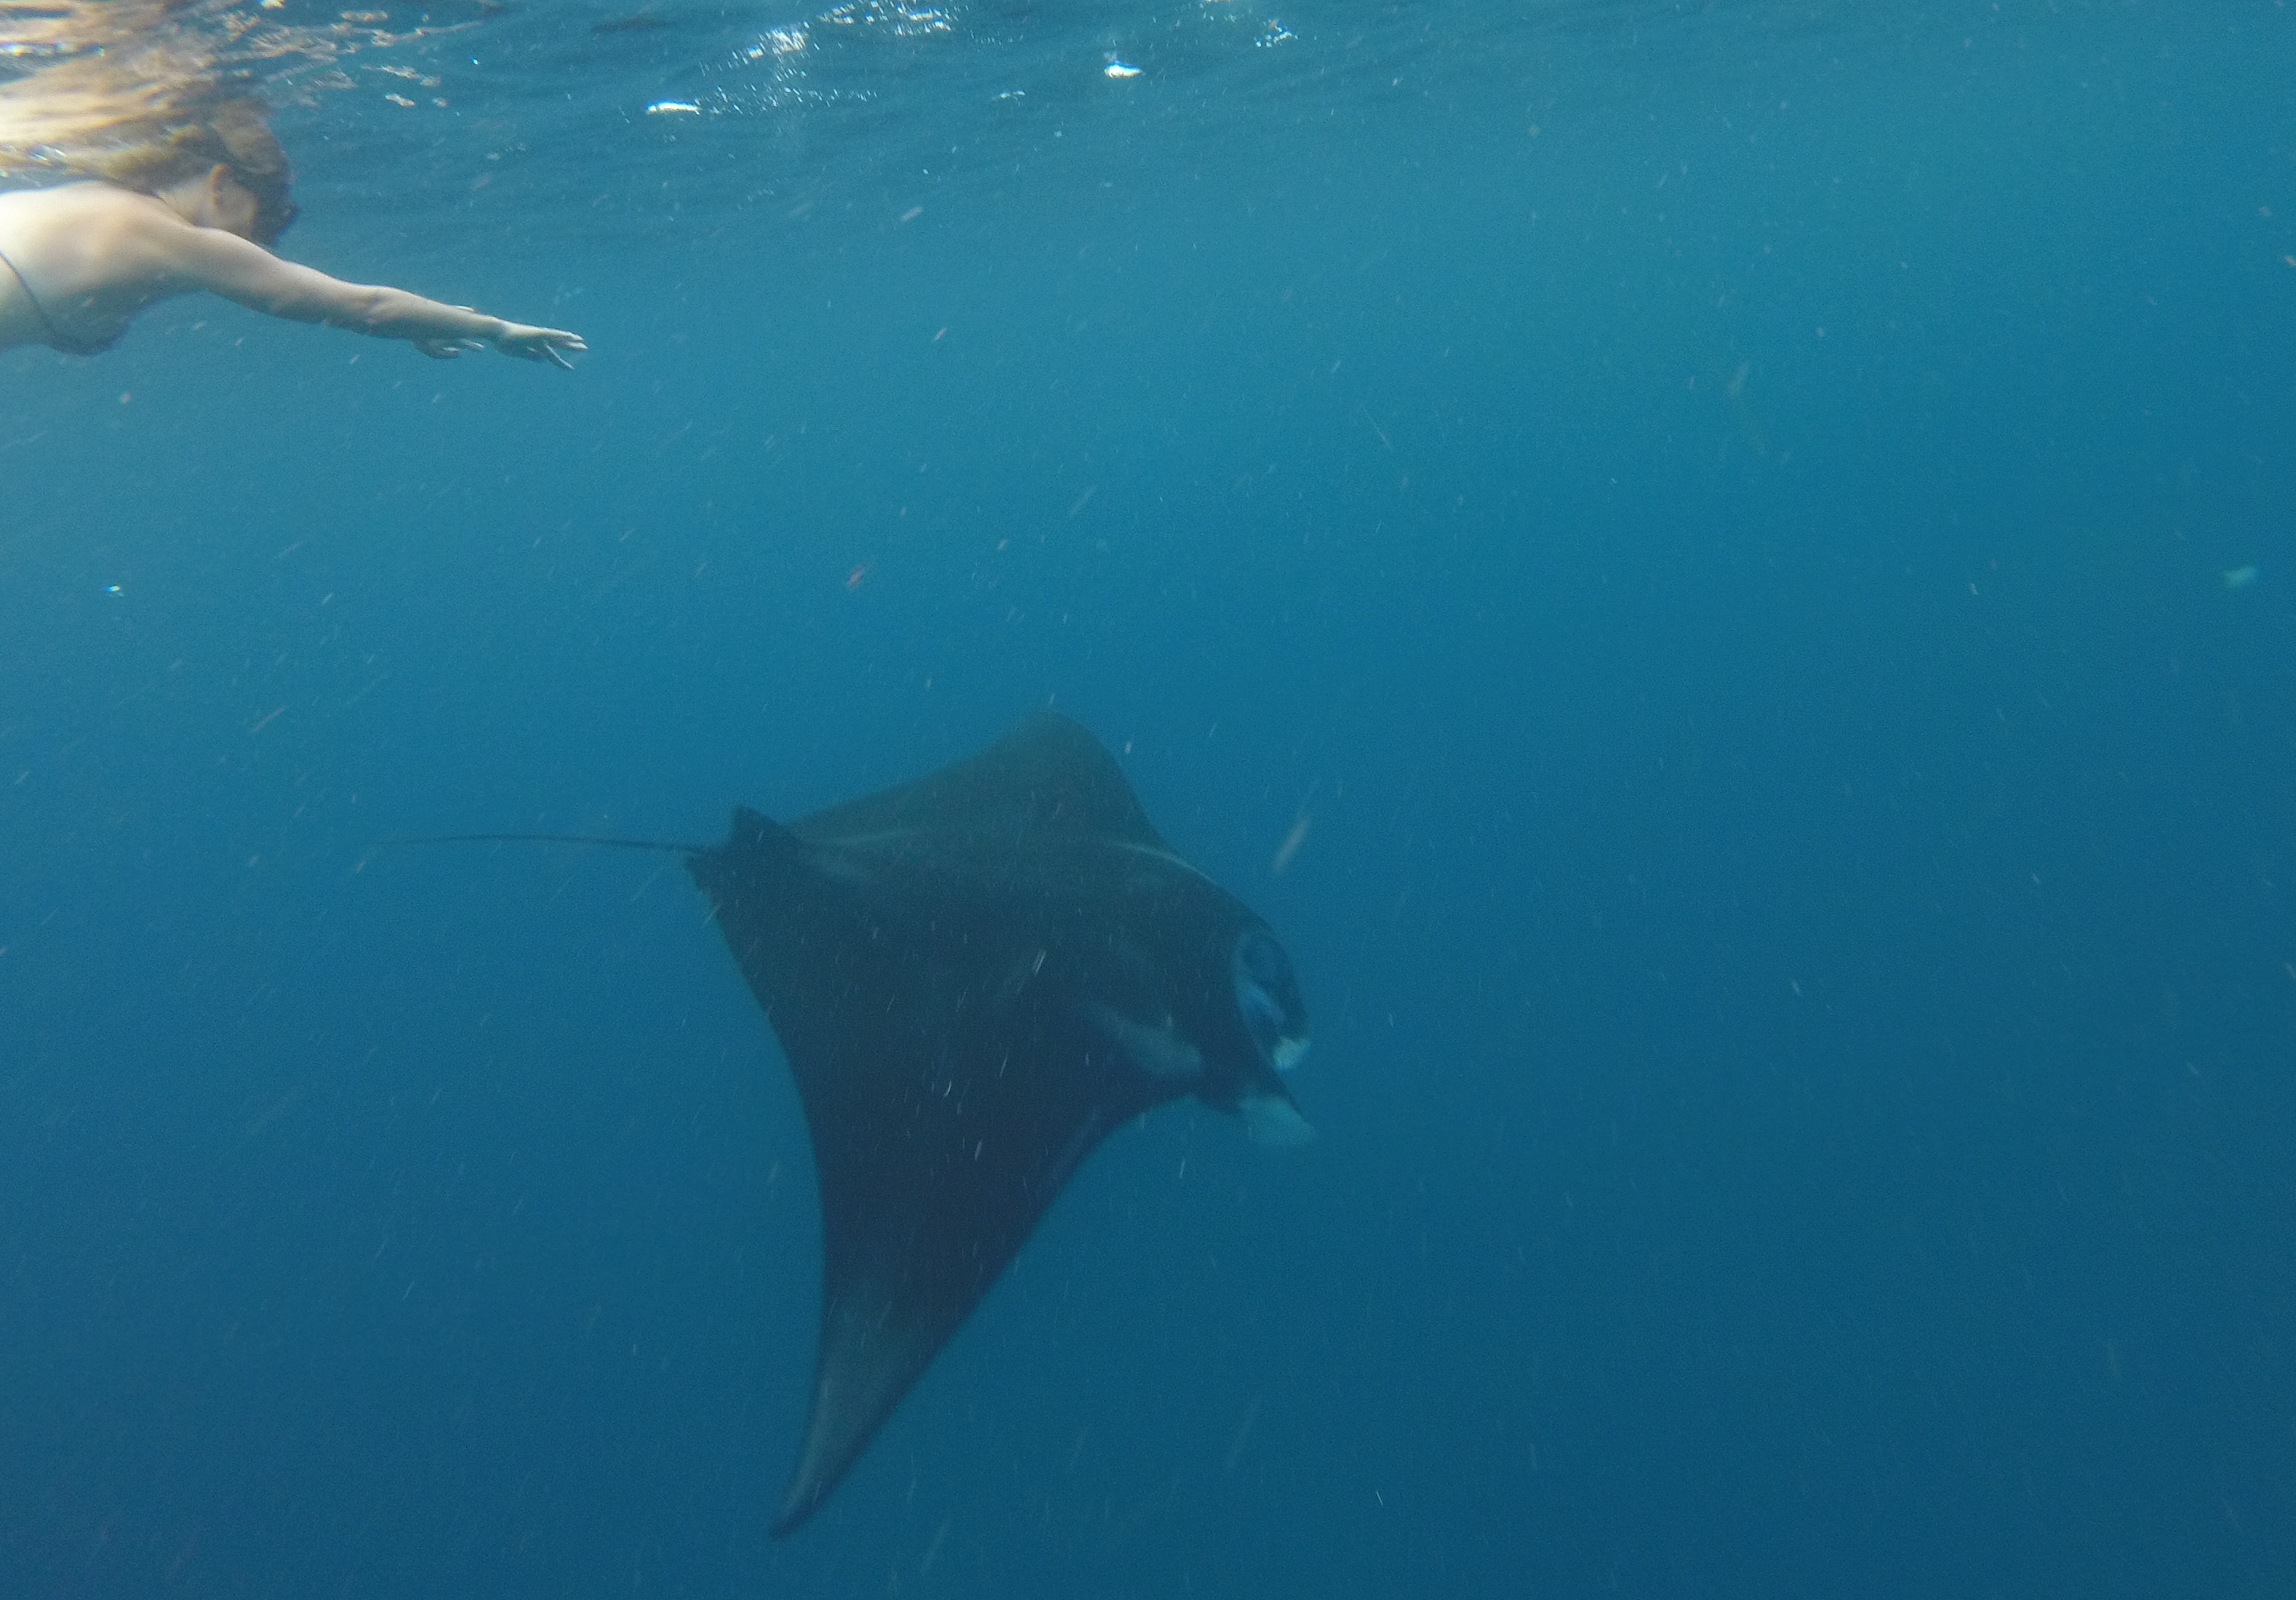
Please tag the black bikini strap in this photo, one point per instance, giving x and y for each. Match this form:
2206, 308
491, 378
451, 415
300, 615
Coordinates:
39, 310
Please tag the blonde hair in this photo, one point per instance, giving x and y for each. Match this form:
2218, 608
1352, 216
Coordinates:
233, 136
133, 93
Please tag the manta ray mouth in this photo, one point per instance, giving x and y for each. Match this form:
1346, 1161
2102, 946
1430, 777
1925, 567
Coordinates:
1273, 1120
1268, 996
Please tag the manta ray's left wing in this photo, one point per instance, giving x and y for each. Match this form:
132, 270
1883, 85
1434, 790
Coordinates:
949, 1097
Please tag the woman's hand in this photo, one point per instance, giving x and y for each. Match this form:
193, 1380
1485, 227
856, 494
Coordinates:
539, 344
516, 338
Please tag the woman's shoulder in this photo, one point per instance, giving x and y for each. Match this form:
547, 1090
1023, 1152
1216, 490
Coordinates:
77, 194
82, 201
81, 217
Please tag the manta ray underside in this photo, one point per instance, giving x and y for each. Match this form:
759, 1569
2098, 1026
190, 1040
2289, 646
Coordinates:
975, 977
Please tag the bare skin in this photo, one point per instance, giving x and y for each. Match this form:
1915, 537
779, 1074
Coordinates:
95, 255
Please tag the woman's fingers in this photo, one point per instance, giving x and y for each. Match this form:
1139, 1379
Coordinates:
542, 344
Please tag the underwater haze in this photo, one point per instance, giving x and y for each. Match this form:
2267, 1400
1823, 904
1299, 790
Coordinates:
1722, 574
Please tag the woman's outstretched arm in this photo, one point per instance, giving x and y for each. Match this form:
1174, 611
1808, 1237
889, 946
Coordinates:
231, 266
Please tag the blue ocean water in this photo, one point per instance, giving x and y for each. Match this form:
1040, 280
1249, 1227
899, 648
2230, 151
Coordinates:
1756, 538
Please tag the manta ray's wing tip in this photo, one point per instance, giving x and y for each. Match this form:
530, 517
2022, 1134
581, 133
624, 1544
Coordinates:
820, 1465
804, 1497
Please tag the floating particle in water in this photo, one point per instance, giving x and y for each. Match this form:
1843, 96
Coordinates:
1290, 847
1121, 69
2240, 578
673, 108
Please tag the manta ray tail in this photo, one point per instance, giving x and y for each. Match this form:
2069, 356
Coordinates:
620, 844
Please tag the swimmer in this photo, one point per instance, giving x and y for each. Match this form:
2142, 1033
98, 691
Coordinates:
199, 209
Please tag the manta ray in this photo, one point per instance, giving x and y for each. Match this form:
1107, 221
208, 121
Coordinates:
975, 977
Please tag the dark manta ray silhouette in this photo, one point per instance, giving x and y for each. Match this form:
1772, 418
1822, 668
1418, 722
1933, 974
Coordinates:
975, 977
